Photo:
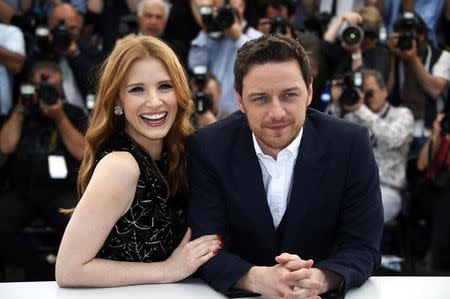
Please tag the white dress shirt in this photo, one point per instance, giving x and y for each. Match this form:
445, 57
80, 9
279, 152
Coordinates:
277, 176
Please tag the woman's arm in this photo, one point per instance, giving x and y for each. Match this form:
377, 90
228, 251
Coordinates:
107, 197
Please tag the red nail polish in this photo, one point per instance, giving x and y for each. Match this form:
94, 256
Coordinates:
219, 237
215, 251
221, 244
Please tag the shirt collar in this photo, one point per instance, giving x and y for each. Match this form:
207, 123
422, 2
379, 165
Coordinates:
292, 147
384, 109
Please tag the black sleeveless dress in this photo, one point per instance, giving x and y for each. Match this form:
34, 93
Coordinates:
153, 226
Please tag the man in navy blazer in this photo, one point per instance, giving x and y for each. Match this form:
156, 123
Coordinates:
293, 192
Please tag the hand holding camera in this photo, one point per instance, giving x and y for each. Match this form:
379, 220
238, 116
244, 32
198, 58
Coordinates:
223, 19
403, 45
202, 100
350, 97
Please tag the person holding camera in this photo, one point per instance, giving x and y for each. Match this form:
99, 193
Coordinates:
413, 57
352, 42
43, 139
207, 94
75, 56
276, 18
434, 161
224, 31
364, 101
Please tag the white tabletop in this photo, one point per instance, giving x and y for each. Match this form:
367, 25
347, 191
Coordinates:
375, 288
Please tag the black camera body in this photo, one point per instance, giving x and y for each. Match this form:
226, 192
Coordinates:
47, 92
224, 19
352, 35
351, 89
405, 41
279, 25
202, 100
62, 37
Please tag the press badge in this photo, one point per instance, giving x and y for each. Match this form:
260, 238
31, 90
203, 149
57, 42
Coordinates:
57, 167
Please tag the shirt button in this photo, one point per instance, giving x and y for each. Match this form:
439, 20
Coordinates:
276, 210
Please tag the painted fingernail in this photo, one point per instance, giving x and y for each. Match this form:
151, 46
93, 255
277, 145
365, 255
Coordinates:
215, 251
221, 244
219, 237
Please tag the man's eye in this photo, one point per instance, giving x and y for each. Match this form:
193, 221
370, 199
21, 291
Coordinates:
259, 99
290, 95
136, 89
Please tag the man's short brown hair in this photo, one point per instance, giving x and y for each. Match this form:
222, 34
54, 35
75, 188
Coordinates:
270, 48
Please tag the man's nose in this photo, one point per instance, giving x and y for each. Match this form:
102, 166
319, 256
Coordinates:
277, 109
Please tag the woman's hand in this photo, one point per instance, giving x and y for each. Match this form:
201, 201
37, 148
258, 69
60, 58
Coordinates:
190, 255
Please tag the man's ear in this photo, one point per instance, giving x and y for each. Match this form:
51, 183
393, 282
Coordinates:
310, 94
240, 102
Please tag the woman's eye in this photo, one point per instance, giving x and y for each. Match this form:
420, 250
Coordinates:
136, 89
165, 86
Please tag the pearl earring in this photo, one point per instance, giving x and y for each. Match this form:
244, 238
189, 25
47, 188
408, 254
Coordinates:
118, 110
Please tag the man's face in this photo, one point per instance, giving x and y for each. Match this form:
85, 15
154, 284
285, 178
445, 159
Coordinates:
72, 20
275, 97
54, 78
153, 21
377, 100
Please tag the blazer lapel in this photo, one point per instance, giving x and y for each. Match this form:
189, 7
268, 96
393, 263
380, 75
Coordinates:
308, 169
250, 187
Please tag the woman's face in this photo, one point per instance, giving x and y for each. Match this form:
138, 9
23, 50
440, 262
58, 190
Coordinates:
147, 96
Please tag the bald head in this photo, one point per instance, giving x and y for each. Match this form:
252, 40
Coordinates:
72, 19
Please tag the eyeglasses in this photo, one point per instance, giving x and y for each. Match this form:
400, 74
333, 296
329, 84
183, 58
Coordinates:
368, 94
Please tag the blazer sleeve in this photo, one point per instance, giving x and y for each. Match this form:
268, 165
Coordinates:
83, 65
358, 239
207, 214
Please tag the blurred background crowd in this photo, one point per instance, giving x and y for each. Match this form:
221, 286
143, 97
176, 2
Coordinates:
383, 64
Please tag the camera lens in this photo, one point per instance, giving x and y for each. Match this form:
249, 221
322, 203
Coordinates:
225, 17
352, 35
405, 41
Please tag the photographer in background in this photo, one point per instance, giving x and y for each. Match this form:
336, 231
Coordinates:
43, 139
362, 98
224, 31
276, 18
207, 94
76, 57
352, 42
434, 160
412, 55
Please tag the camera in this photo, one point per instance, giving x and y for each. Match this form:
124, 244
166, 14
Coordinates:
27, 92
405, 41
279, 25
352, 35
351, 89
317, 23
27, 22
202, 100
445, 124
47, 92
62, 38
408, 25
224, 19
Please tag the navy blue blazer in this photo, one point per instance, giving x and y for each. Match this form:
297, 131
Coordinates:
334, 215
